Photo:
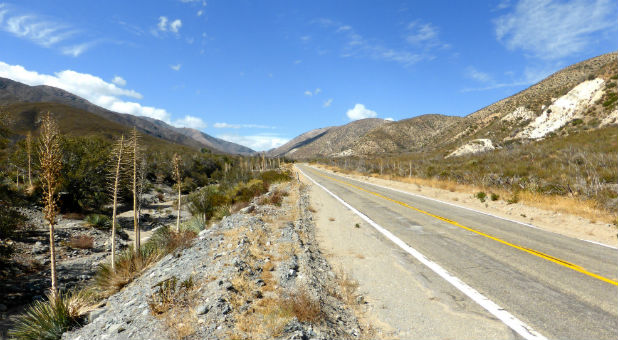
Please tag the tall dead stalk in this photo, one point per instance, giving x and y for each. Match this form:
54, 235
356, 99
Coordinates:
50, 156
29, 151
118, 159
134, 154
177, 160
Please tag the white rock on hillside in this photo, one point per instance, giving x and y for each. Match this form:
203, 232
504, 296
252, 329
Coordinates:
473, 146
612, 118
564, 109
520, 114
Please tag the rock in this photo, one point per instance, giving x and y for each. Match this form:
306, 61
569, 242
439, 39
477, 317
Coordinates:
201, 309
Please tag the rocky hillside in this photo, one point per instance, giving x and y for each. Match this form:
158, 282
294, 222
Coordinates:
405, 135
336, 141
12, 92
578, 98
298, 142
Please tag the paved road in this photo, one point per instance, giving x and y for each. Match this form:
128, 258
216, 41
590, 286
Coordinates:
561, 287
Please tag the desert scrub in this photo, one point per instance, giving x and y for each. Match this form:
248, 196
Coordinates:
494, 196
481, 196
98, 221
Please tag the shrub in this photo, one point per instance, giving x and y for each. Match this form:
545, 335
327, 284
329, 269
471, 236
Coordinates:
11, 220
46, 319
81, 242
514, 198
303, 306
98, 221
273, 176
481, 196
205, 201
494, 196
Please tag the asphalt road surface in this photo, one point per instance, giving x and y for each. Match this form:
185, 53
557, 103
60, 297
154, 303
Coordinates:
557, 286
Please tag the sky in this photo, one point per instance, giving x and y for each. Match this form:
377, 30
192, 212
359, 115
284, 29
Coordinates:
259, 73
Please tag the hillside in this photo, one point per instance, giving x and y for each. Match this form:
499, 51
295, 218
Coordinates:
335, 141
405, 135
577, 98
12, 92
298, 142
76, 122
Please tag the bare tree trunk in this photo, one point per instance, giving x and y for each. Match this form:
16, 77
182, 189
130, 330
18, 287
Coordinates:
29, 147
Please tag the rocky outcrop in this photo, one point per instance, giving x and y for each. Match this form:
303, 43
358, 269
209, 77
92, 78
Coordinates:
472, 147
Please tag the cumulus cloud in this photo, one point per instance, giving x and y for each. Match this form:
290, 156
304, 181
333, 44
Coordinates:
314, 93
190, 121
175, 25
199, 13
360, 112
552, 29
118, 80
164, 25
328, 102
90, 87
256, 142
45, 32
308, 93
176, 67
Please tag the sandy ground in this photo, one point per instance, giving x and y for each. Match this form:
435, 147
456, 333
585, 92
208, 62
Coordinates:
404, 298
569, 225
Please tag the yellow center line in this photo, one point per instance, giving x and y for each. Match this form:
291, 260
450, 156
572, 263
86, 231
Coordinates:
527, 250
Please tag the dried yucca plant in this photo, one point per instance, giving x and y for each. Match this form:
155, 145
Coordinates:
29, 152
134, 152
118, 159
50, 156
178, 178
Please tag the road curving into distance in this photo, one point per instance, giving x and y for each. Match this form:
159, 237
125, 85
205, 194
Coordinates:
539, 283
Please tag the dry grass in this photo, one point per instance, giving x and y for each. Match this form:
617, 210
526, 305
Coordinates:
303, 306
81, 242
172, 302
586, 208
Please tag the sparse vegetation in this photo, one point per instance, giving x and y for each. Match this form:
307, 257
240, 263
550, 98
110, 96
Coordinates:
481, 195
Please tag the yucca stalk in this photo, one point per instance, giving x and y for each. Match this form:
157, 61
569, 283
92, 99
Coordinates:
29, 151
50, 156
118, 158
134, 154
177, 160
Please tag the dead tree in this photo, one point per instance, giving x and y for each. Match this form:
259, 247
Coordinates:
29, 152
50, 156
134, 151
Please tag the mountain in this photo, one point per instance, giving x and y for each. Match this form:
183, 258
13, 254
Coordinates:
333, 141
297, 142
12, 92
577, 98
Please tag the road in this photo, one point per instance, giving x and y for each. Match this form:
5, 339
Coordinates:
555, 286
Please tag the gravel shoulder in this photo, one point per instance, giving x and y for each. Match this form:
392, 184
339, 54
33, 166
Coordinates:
403, 299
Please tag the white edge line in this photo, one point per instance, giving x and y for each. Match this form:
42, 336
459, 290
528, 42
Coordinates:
478, 211
507, 318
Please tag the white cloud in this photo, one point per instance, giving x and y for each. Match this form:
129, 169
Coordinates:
118, 80
90, 87
190, 121
314, 93
328, 102
200, 12
472, 73
162, 25
256, 142
175, 25
176, 67
308, 93
239, 126
389, 119
44, 32
360, 112
421, 33
298, 61
317, 91
552, 29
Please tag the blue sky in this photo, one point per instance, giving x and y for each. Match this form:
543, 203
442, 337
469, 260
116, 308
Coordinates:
261, 72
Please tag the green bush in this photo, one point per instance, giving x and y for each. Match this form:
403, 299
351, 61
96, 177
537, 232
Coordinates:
273, 176
46, 320
205, 201
494, 196
481, 196
98, 221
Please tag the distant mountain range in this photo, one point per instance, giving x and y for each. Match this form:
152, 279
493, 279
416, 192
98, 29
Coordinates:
580, 97
14, 94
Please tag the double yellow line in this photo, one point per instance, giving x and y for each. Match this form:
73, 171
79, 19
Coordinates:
527, 250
